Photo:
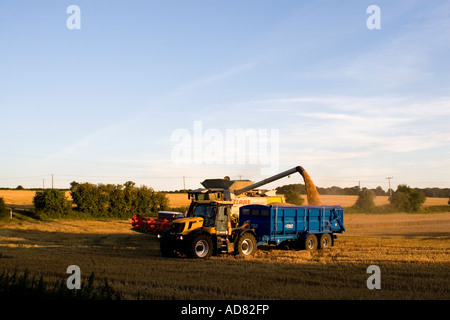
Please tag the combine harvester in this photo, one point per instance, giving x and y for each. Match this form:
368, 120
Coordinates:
239, 192
212, 226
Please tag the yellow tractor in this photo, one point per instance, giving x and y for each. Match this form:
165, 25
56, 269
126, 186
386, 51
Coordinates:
211, 225
206, 231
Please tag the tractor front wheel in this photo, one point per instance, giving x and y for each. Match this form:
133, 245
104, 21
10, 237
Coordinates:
201, 247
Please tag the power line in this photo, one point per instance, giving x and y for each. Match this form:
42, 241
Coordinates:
318, 180
19, 178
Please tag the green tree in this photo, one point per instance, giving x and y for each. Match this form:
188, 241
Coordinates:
130, 194
299, 188
122, 201
293, 197
407, 199
149, 202
379, 191
51, 202
365, 199
90, 198
4, 212
117, 202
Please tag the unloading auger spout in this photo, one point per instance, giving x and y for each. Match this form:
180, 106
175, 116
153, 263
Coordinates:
311, 192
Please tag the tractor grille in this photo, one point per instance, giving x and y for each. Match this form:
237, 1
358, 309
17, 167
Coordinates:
178, 227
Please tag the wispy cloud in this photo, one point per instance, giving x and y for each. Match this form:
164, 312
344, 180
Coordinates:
403, 54
207, 80
369, 125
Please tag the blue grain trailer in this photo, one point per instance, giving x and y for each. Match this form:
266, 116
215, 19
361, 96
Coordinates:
309, 227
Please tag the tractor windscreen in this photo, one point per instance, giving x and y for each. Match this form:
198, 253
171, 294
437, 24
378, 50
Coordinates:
207, 212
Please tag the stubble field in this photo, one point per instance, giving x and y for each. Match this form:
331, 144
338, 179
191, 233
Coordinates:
412, 251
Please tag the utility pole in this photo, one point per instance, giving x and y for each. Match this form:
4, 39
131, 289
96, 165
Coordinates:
390, 190
184, 183
52, 180
43, 183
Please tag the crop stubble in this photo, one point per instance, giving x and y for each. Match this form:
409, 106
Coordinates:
412, 250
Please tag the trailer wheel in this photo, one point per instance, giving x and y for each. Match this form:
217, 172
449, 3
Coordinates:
325, 241
245, 245
201, 247
311, 242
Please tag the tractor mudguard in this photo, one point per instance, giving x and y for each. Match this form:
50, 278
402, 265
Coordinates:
194, 233
236, 233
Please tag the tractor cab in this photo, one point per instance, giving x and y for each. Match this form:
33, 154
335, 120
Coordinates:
212, 216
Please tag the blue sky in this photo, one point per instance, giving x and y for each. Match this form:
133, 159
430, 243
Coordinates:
101, 103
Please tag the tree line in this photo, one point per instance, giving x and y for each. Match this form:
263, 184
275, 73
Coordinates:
124, 201
404, 199
354, 191
101, 200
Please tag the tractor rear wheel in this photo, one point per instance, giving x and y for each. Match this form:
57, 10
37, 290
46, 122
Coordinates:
245, 245
201, 247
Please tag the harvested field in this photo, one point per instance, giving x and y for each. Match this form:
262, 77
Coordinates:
412, 251
21, 198
177, 200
